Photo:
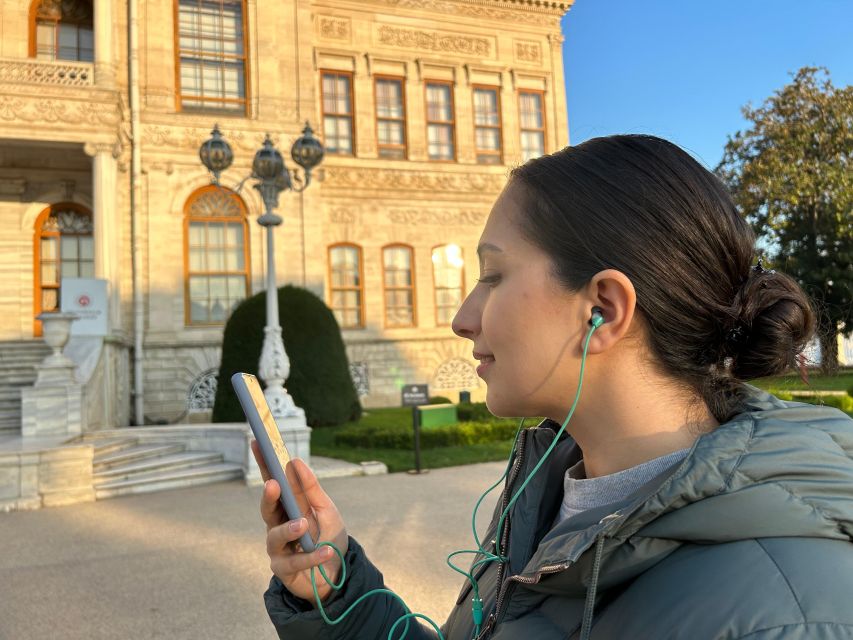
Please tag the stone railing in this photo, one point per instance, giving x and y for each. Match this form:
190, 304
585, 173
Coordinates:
64, 73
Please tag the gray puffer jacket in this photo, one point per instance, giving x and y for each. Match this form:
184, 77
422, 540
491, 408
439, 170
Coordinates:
751, 536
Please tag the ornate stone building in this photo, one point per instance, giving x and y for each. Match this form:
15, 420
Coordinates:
423, 106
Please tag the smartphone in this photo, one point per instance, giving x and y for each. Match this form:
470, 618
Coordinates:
275, 454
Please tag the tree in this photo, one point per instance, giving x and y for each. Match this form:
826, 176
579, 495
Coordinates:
791, 176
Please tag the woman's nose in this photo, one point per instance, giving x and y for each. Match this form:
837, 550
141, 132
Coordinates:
466, 322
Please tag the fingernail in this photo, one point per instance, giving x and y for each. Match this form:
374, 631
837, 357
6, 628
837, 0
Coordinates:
296, 525
325, 552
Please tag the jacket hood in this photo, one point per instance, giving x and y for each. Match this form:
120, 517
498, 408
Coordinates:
779, 469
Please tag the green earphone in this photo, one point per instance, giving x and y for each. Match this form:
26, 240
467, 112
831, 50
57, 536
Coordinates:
595, 321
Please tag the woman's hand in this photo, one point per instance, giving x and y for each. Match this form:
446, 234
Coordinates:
287, 560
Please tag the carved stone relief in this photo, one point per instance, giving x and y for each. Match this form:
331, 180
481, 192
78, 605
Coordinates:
442, 217
344, 215
332, 28
47, 111
433, 41
359, 178
526, 51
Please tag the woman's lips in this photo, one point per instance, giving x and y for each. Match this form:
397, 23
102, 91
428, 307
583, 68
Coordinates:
485, 363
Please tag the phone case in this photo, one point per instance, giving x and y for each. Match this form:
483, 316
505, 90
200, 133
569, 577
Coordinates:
253, 415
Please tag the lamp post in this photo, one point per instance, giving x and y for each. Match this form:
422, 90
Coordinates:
272, 178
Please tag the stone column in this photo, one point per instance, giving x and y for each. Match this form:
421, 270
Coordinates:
106, 236
105, 64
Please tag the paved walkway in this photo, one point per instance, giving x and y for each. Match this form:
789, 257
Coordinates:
191, 564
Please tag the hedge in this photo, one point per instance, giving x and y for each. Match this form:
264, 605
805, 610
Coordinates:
402, 437
319, 381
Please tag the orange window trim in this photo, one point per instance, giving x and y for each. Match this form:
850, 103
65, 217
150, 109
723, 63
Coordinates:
246, 253
405, 145
179, 107
498, 127
360, 288
451, 122
350, 115
412, 287
544, 127
38, 234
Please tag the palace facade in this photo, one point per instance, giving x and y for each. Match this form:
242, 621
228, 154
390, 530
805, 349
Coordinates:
423, 107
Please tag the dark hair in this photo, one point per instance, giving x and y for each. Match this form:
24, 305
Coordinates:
643, 206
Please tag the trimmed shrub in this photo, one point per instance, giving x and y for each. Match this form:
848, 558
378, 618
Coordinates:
402, 437
439, 400
474, 412
319, 381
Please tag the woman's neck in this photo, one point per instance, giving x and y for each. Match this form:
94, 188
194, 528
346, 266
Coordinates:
619, 426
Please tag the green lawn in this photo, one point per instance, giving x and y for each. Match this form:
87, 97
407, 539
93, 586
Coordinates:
817, 382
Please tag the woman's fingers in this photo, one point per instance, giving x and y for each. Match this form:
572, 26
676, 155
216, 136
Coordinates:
284, 565
259, 458
309, 486
271, 510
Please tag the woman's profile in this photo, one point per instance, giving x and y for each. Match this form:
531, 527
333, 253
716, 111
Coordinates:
680, 502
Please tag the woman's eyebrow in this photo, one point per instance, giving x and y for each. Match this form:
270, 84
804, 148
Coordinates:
488, 246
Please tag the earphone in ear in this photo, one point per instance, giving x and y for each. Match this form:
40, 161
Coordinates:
597, 318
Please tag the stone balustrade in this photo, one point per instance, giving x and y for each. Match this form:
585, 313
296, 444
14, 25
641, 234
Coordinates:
63, 73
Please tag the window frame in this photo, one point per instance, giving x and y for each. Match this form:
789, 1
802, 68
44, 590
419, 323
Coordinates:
450, 85
38, 234
351, 115
244, 219
413, 287
477, 151
32, 46
435, 288
405, 146
543, 129
361, 311
179, 106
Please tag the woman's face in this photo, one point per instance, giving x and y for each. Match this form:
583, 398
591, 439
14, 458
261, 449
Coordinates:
524, 326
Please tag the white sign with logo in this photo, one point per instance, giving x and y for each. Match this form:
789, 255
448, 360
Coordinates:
87, 297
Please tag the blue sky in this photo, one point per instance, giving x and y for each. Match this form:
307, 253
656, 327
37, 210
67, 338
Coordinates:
682, 69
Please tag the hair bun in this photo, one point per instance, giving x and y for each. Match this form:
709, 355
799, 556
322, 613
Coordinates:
779, 322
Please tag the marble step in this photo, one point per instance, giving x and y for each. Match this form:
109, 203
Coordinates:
185, 460
104, 446
134, 454
165, 480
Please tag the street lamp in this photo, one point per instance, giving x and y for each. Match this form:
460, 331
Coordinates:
273, 177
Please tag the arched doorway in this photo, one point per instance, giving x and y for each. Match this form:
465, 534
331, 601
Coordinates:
64, 247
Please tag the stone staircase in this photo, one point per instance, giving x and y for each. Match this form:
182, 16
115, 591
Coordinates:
18, 360
124, 466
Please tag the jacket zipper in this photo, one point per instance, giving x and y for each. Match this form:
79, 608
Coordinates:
513, 474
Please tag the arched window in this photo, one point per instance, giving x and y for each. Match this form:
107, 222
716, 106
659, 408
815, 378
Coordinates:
346, 281
216, 255
448, 276
64, 248
399, 281
62, 30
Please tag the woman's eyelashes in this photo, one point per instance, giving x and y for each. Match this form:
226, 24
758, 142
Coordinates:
489, 280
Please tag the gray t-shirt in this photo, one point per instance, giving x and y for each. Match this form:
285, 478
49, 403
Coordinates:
580, 493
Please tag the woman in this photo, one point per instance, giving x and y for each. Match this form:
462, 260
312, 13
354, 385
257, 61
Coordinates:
685, 504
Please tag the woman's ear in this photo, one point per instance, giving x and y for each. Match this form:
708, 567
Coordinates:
613, 294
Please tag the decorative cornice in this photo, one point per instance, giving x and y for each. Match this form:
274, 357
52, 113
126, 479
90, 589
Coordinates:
534, 12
